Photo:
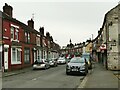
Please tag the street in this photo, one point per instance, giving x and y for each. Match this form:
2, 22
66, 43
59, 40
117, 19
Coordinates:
52, 78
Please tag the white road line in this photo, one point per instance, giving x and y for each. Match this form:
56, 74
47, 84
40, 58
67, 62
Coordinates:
34, 79
82, 84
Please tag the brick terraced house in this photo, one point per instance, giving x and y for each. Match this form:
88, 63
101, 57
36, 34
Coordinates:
21, 43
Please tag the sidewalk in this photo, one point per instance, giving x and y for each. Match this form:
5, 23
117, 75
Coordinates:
100, 78
11, 73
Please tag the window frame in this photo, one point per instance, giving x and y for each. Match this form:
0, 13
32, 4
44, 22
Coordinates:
27, 37
26, 55
16, 61
14, 33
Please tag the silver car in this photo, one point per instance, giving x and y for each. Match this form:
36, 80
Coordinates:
42, 64
77, 65
53, 62
61, 60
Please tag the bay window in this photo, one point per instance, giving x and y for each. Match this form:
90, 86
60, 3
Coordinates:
16, 55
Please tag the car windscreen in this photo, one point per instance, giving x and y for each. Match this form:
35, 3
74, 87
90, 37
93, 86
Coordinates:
77, 60
38, 62
86, 56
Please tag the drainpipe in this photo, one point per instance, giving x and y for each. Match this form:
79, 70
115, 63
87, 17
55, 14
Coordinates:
107, 39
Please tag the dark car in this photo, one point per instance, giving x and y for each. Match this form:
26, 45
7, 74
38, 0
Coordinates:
88, 58
77, 65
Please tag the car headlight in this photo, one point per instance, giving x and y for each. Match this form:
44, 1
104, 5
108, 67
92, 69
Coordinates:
34, 65
82, 67
42, 65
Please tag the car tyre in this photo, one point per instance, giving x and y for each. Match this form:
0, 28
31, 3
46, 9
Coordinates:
67, 73
45, 68
85, 73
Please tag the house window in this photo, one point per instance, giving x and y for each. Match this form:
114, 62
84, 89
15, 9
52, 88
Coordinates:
17, 34
27, 56
14, 33
27, 37
16, 56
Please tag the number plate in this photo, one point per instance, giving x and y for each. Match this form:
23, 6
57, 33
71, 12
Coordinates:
74, 70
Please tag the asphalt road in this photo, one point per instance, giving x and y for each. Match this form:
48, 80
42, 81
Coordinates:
51, 78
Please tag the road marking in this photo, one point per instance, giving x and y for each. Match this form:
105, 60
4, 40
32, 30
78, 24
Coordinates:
34, 79
82, 84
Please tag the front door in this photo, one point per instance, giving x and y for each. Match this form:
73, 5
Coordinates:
6, 58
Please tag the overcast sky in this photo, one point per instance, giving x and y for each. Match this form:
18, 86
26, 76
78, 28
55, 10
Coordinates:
63, 19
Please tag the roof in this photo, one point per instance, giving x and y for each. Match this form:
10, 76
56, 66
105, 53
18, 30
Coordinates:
24, 26
105, 22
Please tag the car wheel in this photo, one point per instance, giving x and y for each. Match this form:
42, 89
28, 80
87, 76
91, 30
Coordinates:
33, 68
85, 74
67, 73
87, 71
45, 68
56, 65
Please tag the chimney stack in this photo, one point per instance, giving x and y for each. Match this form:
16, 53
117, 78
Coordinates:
7, 9
99, 32
47, 34
42, 30
31, 23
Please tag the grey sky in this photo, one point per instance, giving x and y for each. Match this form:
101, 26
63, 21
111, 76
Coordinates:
64, 20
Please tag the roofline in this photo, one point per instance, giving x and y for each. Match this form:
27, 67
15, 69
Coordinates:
18, 22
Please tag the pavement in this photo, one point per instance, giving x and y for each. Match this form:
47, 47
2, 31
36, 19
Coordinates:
15, 72
99, 77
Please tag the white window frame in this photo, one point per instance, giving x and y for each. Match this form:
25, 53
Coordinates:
28, 38
15, 32
16, 50
12, 33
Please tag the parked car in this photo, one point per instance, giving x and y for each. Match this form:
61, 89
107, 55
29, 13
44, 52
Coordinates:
53, 62
61, 60
88, 58
77, 65
41, 64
